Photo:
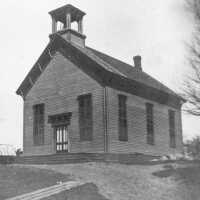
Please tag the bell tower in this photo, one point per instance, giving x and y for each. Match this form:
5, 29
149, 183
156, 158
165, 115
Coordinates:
62, 20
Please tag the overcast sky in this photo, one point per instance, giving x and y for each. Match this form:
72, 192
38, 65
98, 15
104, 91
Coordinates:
155, 29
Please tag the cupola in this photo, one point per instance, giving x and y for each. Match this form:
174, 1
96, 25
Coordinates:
62, 20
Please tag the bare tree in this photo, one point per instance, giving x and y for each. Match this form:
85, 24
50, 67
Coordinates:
18, 152
192, 83
193, 147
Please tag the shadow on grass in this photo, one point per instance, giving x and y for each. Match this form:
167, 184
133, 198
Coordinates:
87, 191
188, 174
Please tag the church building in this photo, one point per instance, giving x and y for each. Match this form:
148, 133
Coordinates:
80, 100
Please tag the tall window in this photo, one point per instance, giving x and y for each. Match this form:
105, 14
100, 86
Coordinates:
85, 117
123, 131
172, 134
38, 124
150, 123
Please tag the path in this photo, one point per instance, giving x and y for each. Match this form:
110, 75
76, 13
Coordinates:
46, 192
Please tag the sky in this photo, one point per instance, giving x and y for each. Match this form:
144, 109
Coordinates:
155, 29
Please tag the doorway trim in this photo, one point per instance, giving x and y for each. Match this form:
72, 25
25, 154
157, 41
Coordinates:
61, 122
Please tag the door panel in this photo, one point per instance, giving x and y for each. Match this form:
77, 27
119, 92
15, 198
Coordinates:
62, 139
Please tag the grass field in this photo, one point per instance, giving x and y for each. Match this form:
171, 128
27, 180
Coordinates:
143, 182
16, 180
106, 181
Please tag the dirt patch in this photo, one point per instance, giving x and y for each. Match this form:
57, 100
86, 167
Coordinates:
168, 170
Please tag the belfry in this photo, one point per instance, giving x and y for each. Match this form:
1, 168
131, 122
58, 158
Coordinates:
62, 19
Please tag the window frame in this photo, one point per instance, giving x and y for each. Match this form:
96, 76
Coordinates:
172, 128
122, 118
38, 124
150, 124
85, 111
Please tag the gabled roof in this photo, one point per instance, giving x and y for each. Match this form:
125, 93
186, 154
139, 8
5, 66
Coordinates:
107, 70
131, 72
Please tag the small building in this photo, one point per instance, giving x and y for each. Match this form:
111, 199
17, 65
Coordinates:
77, 99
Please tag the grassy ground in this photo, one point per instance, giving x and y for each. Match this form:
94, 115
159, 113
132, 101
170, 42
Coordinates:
127, 182
16, 180
187, 176
89, 191
103, 181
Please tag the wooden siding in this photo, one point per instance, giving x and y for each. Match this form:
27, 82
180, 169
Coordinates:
136, 115
58, 88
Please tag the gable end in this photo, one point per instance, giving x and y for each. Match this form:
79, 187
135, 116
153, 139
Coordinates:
96, 71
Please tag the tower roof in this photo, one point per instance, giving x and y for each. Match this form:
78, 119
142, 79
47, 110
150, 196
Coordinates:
59, 14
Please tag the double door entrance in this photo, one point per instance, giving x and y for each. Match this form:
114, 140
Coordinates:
62, 139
